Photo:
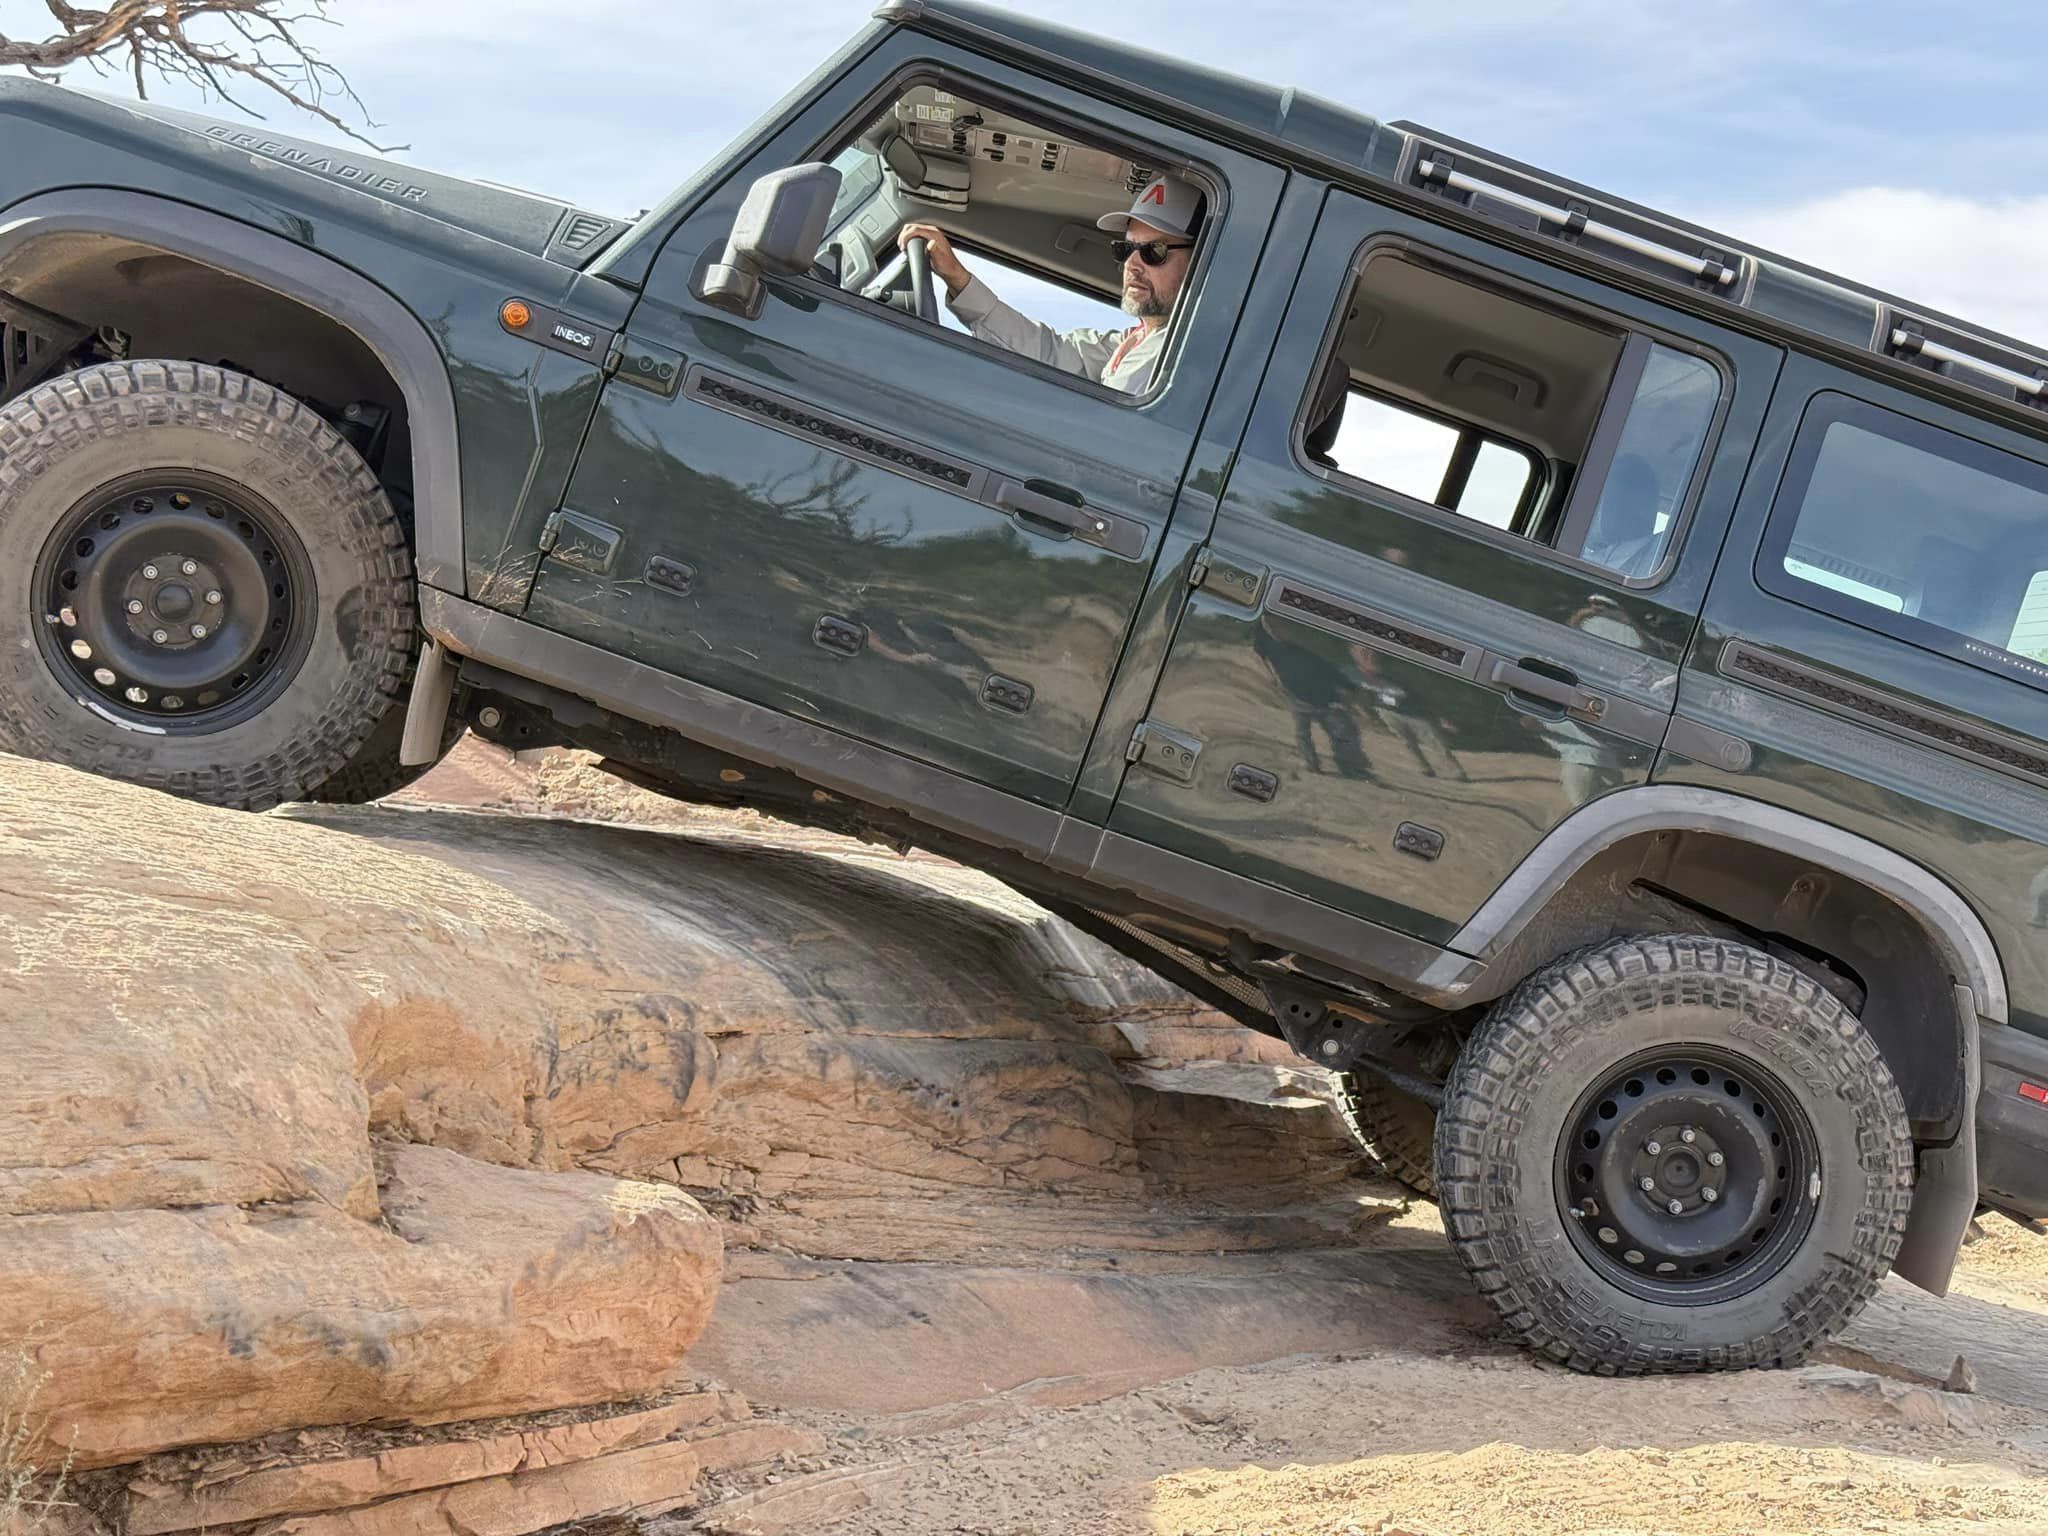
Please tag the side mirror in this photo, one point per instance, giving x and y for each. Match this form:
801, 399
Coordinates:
778, 231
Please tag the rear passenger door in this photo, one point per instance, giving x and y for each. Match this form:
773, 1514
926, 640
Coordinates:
1452, 576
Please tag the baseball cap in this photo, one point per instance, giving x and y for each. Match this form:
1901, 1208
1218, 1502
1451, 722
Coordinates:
1166, 203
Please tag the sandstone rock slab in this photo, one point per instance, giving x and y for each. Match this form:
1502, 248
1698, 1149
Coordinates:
648, 1481
490, 1292
156, 1508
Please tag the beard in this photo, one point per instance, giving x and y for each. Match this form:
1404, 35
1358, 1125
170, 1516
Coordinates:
1145, 304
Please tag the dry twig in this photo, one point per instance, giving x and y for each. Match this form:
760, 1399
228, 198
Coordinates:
221, 46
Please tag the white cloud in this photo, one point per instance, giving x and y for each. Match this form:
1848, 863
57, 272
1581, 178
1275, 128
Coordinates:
1978, 259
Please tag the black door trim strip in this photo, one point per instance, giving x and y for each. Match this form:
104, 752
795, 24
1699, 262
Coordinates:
1885, 711
1308, 605
1125, 537
784, 413
1322, 610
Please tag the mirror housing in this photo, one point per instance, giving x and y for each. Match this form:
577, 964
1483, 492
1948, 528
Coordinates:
777, 231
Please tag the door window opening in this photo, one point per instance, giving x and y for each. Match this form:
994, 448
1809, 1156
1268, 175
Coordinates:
1530, 421
1022, 204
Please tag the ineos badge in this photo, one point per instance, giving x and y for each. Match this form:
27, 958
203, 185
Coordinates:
574, 337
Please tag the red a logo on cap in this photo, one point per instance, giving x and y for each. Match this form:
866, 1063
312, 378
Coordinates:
1156, 193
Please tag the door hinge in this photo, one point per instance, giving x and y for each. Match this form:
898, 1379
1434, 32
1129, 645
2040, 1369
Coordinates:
584, 542
644, 365
1165, 750
1220, 578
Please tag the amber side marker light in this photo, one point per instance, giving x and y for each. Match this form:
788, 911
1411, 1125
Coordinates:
2035, 1092
515, 315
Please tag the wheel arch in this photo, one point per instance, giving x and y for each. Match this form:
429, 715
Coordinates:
1649, 858
95, 229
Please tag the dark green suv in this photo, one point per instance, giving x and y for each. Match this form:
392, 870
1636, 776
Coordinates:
1579, 678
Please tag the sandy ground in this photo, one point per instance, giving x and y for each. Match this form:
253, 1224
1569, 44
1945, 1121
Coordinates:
1474, 1439
1428, 1423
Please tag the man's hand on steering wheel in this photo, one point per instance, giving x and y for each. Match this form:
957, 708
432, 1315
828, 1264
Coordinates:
945, 264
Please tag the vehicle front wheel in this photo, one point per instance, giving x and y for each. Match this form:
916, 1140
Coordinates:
1674, 1154
203, 588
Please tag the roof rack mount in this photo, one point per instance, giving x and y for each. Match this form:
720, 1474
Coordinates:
1575, 220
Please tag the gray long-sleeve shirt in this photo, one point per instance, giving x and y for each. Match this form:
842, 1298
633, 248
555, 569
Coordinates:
1123, 360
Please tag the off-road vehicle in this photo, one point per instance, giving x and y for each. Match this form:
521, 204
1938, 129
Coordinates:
1578, 676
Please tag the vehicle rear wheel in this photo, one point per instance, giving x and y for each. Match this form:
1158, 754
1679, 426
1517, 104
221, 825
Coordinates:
203, 587
375, 772
1674, 1154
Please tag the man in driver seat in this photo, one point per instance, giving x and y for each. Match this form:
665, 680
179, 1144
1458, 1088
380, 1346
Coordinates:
1156, 240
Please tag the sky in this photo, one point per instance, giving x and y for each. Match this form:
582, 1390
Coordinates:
1900, 142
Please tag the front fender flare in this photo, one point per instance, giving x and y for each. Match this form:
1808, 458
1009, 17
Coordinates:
320, 282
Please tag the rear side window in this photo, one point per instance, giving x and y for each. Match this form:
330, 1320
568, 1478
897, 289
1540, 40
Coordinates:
1901, 526
1564, 429
1435, 461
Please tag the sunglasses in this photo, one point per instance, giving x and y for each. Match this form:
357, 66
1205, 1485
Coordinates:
1153, 252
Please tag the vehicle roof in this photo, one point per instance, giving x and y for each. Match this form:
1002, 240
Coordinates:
1467, 183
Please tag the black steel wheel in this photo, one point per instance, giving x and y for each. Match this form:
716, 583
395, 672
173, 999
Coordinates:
1683, 1174
1674, 1154
203, 588
176, 603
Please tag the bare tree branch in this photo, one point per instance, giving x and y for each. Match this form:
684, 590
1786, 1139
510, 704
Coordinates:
206, 43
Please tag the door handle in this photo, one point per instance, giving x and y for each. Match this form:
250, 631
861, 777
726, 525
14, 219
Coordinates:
1010, 496
1055, 516
1533, 678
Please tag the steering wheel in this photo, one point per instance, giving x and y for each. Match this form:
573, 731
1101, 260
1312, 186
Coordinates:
921, 289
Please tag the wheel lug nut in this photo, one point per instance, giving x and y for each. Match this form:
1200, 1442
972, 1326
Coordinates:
1653, 1147
150, 573
1710, 1194
1688, 1136
1676, 1207
198, 631
1715, 1159
214, 598
161, 637
190, 568
135, 605
1648, 1183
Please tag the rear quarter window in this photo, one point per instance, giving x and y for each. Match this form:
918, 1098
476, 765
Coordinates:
1900, 526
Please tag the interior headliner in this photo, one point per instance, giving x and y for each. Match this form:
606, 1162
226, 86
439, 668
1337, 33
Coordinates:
1527, 373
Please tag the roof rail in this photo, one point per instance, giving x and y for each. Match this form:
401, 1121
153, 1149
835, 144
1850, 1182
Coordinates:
1959, 355
1790, 292
1492, 189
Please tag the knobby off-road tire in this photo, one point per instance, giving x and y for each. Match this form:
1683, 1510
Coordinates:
203, 588
1396, 1129
1589, 1064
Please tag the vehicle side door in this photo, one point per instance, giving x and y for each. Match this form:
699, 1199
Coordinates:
878, 524
1456, 566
